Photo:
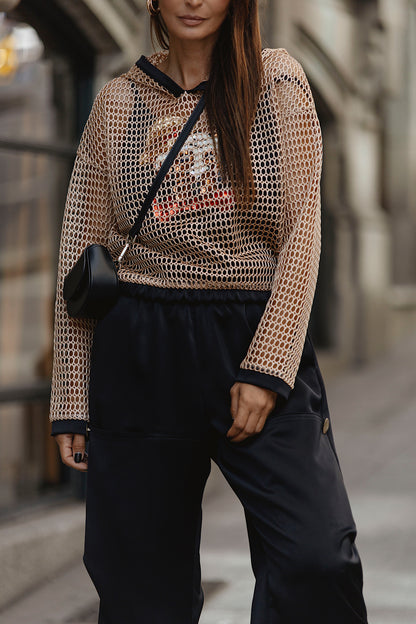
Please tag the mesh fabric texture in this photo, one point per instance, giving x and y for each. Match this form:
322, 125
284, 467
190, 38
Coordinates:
193, 235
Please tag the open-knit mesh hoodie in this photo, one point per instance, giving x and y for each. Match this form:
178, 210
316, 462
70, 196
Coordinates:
193, 235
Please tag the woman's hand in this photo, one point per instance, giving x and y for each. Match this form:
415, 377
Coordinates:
250, 407
69, 444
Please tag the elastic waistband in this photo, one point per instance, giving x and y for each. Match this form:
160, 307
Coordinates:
192, 295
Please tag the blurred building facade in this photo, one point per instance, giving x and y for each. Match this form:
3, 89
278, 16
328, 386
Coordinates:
358, 55
55, 56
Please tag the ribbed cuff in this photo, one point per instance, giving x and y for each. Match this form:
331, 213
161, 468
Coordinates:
69, 425
264, 381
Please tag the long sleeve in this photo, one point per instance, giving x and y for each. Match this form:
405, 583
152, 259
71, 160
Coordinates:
273, 357
87, 218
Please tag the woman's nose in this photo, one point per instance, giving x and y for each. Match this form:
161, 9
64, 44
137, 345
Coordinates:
194, 3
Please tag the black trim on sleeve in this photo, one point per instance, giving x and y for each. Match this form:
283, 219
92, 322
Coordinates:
69, 425
264, 381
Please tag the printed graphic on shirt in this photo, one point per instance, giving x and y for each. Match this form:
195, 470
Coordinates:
194, 180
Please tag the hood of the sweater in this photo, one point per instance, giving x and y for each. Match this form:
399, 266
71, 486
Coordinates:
146, 71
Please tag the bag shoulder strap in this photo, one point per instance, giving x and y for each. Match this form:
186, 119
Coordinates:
167, 163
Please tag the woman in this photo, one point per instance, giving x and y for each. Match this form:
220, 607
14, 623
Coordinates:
206, 353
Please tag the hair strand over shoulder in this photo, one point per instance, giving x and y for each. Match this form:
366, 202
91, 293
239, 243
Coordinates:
233, 91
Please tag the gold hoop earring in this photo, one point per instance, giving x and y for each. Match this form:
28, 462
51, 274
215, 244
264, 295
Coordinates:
151, 8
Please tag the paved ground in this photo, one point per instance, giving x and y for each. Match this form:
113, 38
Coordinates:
374, 423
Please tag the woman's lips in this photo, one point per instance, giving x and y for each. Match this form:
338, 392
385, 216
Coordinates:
192, 21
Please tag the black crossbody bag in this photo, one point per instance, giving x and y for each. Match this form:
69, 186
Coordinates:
91, 287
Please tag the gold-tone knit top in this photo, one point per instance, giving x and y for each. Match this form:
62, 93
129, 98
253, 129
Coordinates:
193, 235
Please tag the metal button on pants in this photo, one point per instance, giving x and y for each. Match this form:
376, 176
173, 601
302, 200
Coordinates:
162, 365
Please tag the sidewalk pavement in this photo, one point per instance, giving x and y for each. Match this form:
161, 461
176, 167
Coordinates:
373, 413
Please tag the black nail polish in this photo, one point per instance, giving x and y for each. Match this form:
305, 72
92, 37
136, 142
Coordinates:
77, 458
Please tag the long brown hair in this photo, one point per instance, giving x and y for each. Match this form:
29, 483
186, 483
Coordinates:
233, 91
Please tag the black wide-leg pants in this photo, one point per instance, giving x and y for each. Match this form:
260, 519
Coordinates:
162, 365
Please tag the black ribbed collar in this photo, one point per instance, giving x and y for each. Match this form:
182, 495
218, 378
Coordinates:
166, 81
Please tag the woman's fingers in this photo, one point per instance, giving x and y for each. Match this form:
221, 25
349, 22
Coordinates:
239, 413
250, 407
72, 449
249, 429
235, 393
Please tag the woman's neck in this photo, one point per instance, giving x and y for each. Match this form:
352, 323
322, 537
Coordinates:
188, 64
